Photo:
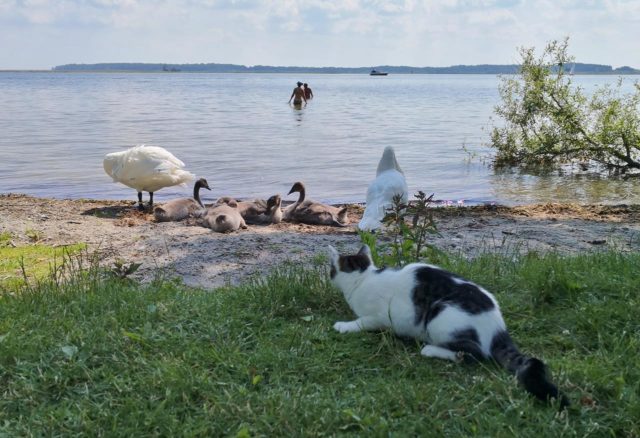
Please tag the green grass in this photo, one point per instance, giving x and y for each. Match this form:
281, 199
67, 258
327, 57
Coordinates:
5, 239
106, 357
37, 261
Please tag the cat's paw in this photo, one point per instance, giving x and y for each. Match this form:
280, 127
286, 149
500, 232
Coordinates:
344, 327
439, 352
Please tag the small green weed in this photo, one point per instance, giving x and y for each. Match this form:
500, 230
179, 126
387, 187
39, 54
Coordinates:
6, 239
319, 259
122, 269
408, 227
34, 236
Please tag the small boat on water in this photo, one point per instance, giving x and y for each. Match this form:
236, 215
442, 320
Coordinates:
375, 72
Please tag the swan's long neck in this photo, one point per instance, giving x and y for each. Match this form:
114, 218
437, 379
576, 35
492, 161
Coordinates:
196, 193
302, 195
388, 161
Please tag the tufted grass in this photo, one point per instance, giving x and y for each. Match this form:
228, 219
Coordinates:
102, 356
30, 263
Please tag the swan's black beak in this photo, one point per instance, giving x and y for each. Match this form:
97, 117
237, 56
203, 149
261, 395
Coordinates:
296, 187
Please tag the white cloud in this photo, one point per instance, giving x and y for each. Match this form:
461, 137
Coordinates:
627, 10
491, 18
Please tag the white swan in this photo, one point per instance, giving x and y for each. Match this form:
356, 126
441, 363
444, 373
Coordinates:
390, 181
146, 169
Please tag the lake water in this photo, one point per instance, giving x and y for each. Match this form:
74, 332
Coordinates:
238, 131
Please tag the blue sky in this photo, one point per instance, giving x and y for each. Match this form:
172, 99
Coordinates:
38, 34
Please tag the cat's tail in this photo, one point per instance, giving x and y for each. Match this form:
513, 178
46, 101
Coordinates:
531, 372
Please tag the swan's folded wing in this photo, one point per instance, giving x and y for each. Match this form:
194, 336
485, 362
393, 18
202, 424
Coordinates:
157, 154
309, 208
159, 165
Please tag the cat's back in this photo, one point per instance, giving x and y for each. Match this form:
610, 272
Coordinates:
390, 283
400, 278
435, 284
385, 292
424, 286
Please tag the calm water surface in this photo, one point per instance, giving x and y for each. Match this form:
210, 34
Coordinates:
238, 131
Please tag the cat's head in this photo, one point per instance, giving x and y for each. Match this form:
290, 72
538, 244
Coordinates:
347, 264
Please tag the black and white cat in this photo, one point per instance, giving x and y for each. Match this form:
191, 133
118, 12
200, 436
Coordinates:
455, 317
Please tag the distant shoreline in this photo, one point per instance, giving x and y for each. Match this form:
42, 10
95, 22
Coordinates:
612, 73
121, 67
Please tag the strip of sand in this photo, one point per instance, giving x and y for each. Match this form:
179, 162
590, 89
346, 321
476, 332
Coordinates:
206, 259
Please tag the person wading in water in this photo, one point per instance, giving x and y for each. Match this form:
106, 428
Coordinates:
298, 95
308, 94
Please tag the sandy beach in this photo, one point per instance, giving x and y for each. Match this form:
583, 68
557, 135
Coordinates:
206, 259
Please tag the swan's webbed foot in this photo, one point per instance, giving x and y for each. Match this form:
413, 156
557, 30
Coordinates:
142, 206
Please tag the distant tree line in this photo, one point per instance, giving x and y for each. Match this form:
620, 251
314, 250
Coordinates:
577, 68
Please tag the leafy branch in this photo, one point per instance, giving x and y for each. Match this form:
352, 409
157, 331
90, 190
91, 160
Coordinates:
549, 121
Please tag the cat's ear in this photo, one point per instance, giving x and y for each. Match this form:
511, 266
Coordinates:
365, 251
334, 255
